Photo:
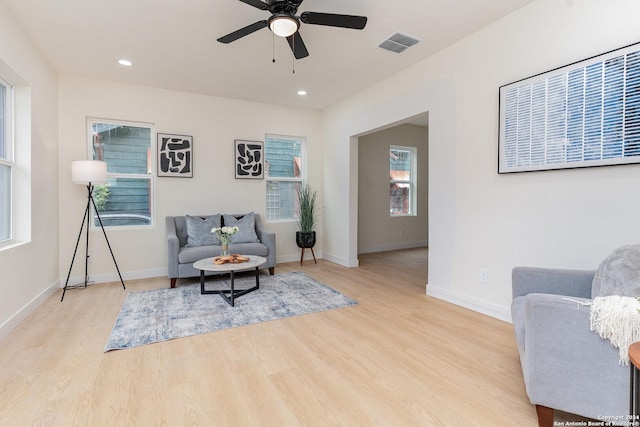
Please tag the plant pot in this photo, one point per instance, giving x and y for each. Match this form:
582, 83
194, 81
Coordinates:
305, 240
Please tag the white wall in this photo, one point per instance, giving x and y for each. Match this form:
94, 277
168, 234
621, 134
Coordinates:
377, 230
479, 219
214, 123
29, 269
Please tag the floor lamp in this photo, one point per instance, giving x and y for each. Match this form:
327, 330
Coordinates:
89, 172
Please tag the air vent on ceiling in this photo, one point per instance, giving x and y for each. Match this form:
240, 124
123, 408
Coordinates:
398, 43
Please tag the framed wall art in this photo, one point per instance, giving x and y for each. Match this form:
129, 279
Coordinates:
249, 158
175, 155
579, 115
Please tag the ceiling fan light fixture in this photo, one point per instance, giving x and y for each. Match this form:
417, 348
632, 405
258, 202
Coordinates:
283, 25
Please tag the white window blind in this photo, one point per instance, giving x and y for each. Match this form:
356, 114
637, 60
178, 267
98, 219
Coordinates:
584, 114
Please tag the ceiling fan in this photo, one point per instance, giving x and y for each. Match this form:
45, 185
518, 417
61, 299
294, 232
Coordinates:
284, 23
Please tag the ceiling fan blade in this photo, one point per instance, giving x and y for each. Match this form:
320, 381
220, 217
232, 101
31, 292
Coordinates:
297, 46
256, 3
243, 32
334, 20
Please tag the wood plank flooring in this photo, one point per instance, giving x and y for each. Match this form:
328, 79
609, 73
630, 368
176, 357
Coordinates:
399, 358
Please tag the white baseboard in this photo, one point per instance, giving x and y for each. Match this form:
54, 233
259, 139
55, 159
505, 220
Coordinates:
392, 247
346, 262
113, 277
319, 255
474, 304
293, 258
29, 308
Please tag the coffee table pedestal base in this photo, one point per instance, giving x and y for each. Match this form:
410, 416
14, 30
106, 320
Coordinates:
232, 292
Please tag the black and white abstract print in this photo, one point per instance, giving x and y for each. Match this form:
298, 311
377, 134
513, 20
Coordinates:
249, 159
175, 155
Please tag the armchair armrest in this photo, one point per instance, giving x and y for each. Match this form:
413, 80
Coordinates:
564, 359
267, 238
173, 247
573, 283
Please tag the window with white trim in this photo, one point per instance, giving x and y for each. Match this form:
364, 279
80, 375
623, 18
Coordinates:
7, 164
285, 166
127, 198
402, 180
584, 114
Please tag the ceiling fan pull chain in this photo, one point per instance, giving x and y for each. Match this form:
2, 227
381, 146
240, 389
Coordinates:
293, 57
273, 47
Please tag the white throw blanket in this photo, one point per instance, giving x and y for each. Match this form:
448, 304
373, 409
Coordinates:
617, 319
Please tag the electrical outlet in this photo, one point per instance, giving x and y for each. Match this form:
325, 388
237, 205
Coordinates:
484, 275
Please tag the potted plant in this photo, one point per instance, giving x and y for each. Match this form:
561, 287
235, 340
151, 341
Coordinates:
306, 236
101, 196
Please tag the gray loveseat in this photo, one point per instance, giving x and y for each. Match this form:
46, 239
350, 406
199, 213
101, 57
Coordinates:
189, 239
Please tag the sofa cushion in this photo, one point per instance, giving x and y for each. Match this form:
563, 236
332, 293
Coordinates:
196, 253
246, 228
192, 254
258, 249
618, 274
199, 230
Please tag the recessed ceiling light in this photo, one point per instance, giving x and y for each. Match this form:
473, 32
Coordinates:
302, 92
125, 62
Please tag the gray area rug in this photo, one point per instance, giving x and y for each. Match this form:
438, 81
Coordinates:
163, 314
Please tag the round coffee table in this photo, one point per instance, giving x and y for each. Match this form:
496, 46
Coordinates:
208, 265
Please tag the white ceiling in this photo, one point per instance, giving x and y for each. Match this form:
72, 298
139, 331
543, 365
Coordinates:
172, 43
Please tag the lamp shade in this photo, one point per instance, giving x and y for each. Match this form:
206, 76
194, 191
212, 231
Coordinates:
88, 172
283, 25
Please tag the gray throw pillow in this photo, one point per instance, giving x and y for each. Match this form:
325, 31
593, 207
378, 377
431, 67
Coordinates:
618, 274
199, 230
246, 228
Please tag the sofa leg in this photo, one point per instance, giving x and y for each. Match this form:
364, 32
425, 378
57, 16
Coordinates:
173, 282
272, 270
545, 416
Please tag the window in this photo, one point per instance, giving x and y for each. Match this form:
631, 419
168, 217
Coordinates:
402, 180
284, 167
584, 114
126, 200
6, 160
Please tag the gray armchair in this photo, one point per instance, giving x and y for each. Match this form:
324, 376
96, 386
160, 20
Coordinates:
565, 365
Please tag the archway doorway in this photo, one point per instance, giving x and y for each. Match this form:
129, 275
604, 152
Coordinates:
385, 222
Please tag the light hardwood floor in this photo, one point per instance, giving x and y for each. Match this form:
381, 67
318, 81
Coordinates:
399, 358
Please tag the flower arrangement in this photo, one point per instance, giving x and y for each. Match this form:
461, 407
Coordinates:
225, 234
